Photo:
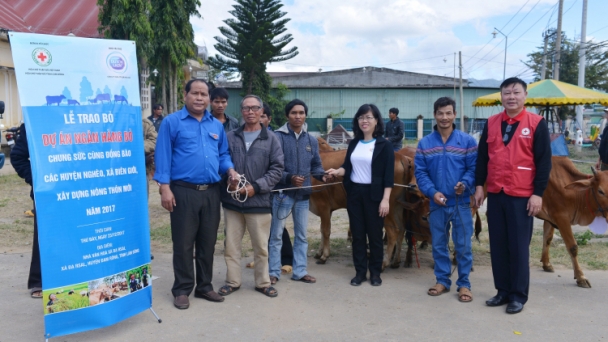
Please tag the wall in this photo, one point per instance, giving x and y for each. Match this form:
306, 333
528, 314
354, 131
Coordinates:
411, 102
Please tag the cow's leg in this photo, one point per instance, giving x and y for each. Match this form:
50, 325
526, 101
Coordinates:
572, 247
391, 240
408, 240
548, 230
323, 252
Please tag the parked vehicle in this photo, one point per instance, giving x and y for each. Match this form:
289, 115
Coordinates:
11, 135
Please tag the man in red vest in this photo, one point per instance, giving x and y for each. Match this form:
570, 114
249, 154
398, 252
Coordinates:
514, 161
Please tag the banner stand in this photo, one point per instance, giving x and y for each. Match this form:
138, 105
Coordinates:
155, 315
82, 112
151, 309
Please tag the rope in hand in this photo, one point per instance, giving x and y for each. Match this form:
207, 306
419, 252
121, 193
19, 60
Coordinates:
236, 194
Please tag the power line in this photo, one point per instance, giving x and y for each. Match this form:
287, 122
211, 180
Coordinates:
489, 60
502, 28
526, 31
597, 30
522, 19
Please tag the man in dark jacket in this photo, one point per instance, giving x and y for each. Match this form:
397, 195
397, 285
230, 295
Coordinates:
302, 162
219, 103
157, 116
394, 129
20, 159
257, 155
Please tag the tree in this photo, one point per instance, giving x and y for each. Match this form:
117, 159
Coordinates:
107, 90
122, 19
277, 104
85, 90
123, 92
66, 93
253, 39
596, 69
173, 45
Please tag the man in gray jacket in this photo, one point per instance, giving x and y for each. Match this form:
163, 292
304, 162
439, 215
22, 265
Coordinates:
302, 162
256, 154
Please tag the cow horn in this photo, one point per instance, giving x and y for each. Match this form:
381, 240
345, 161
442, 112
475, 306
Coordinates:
593, 170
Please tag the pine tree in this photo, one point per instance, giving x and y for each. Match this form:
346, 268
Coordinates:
252, 40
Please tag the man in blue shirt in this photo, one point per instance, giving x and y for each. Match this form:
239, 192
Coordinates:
445, 172
191, 154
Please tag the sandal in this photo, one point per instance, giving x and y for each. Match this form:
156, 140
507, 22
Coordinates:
268, 291
227, 289
437, 290
463, 293
36, 292
273, 280
307, 279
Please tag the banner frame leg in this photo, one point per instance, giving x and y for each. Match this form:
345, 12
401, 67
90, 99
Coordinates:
155, 315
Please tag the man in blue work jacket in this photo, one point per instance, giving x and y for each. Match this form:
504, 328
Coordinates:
191, 154
445, 173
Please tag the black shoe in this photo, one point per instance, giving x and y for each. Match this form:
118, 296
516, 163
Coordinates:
211, 296
497, 300
151, 257
356, 281
514, 307
376, 281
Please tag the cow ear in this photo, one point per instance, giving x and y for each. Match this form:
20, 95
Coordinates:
579, 185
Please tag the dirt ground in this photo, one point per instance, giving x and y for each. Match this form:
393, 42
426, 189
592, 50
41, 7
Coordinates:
327, 311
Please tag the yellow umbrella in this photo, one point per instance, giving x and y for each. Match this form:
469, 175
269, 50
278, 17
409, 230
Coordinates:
551, 93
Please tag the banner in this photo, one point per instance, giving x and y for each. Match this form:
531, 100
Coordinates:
82, 113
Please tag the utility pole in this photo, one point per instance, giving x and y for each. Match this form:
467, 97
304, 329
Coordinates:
461, 93
544, 68
454, 76
582, 60
558, 41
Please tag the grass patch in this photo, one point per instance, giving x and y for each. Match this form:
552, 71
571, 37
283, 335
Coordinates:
3, 202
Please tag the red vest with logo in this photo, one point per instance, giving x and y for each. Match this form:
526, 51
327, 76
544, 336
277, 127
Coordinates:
511, 168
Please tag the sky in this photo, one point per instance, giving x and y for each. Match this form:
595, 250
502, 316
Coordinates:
416, 35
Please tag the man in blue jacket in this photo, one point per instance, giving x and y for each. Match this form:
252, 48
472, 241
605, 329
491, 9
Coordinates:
445, 172
302, 162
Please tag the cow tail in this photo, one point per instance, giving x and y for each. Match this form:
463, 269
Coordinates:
477, 225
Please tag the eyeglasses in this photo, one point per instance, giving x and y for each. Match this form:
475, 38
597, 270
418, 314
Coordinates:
365, 118
246, 109
505, 137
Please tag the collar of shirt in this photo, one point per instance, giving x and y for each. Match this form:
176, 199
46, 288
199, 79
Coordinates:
511, 120
184, 113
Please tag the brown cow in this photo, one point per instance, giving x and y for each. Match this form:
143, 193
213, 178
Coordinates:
416, 211
329, 198
571, 198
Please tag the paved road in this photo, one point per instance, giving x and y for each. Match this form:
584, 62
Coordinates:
332, 310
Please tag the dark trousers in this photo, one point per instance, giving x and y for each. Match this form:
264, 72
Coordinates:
194, 221
365, 226
35, 278
510, 230
286, 249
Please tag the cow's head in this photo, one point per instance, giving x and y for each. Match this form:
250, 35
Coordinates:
597, 186
324, 146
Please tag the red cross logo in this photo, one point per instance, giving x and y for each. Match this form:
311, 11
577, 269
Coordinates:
41, 57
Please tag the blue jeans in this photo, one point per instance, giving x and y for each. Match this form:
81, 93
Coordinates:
282, 206
462, 228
